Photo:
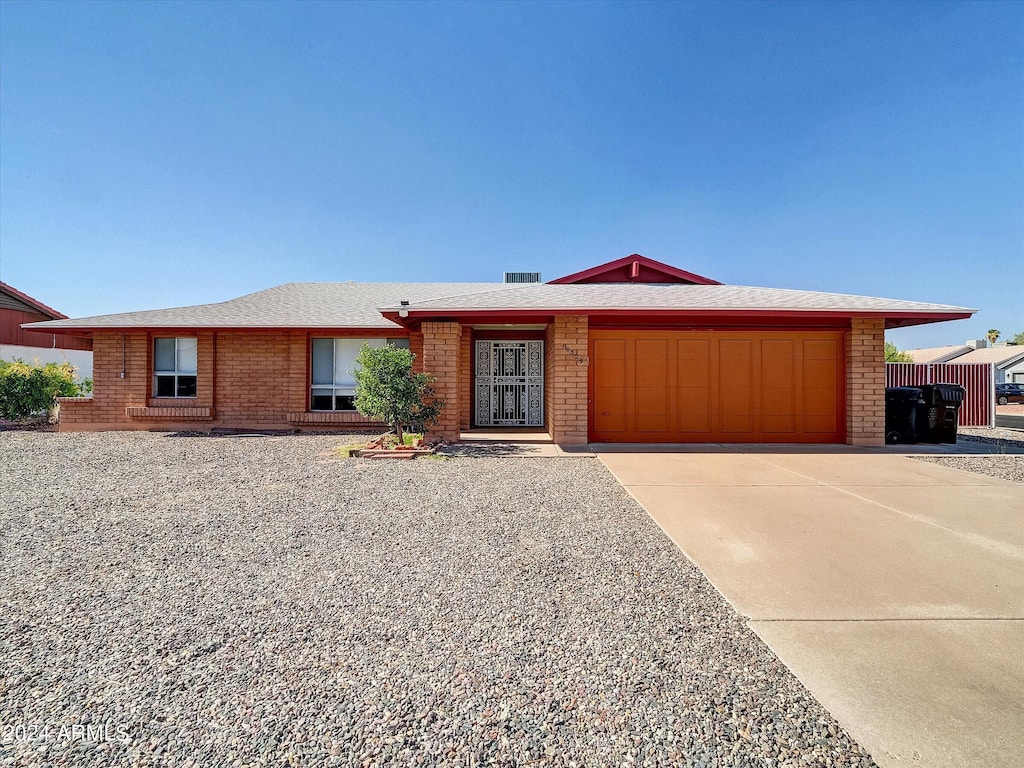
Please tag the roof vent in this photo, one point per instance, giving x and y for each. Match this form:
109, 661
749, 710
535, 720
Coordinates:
522, 277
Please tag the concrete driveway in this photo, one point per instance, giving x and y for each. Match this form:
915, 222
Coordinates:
893, 588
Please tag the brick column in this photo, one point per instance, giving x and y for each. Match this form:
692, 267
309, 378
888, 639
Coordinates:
441, 347
565, 379
296, 387
865, 382
465, 380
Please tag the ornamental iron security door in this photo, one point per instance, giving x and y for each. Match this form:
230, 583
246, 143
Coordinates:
510, 383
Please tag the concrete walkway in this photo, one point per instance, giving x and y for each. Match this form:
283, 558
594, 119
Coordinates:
893, 588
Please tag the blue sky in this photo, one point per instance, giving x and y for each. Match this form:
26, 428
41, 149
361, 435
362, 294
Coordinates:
162, 154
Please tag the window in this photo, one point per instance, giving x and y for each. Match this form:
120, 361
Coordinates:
334, 360
174, 367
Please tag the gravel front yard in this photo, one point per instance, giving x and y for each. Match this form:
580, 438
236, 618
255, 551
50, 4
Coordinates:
251, 601
1004, 466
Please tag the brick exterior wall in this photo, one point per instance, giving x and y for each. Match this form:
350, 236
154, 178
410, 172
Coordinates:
566, 364
112, 394
416, 347
247, 380
865, 382
442, 344
259, 380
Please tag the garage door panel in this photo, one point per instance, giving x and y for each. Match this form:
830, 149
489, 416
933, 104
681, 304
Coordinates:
823, 425
821, 411
609, 361
694, 413
694, 358
778, 360
736, 385
820, 373
820, 349
725, 386
652, 385
821, 382
610, 409
652, 410
778, 391
694, 386
778, 410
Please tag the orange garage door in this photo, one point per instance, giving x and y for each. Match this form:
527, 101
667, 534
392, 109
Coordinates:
722, 386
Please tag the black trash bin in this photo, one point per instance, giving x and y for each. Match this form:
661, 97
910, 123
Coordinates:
939, 412
902, 405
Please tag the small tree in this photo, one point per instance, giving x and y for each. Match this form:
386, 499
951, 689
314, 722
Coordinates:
1018, 338
388, 389
992, 334
27, 389
893, 355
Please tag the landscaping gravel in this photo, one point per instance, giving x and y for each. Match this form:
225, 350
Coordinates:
997, 435
247, 601
1004, 466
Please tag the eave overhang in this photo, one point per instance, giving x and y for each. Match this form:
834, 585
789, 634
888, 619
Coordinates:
411, 317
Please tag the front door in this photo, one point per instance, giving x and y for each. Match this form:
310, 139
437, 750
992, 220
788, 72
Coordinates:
509, 383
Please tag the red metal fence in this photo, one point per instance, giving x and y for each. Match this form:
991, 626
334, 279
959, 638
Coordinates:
979, 408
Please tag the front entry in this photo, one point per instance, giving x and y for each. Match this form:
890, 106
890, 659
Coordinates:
509, 383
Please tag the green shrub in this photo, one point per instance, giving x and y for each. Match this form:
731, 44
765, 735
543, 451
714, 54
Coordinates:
388, 389
29, 389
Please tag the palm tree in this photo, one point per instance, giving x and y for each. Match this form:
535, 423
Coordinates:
993, 334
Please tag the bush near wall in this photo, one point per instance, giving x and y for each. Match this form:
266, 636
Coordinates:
28, 389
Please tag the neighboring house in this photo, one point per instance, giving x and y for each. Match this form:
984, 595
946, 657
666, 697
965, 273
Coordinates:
629, 351
1007, 361
17, 309
937, 354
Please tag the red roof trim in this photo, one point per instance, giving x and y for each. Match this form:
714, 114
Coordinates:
89, 331
634, 262
893, 319
35, 303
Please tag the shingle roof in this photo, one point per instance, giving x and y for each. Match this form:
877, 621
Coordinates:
998, 355
292, 305
359, 305
600, 296
938, 354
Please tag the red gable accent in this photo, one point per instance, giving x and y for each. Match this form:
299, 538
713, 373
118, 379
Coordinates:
635, 269
34, 303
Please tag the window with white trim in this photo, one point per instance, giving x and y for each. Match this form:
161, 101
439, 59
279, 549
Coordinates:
175, 363
334, 363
